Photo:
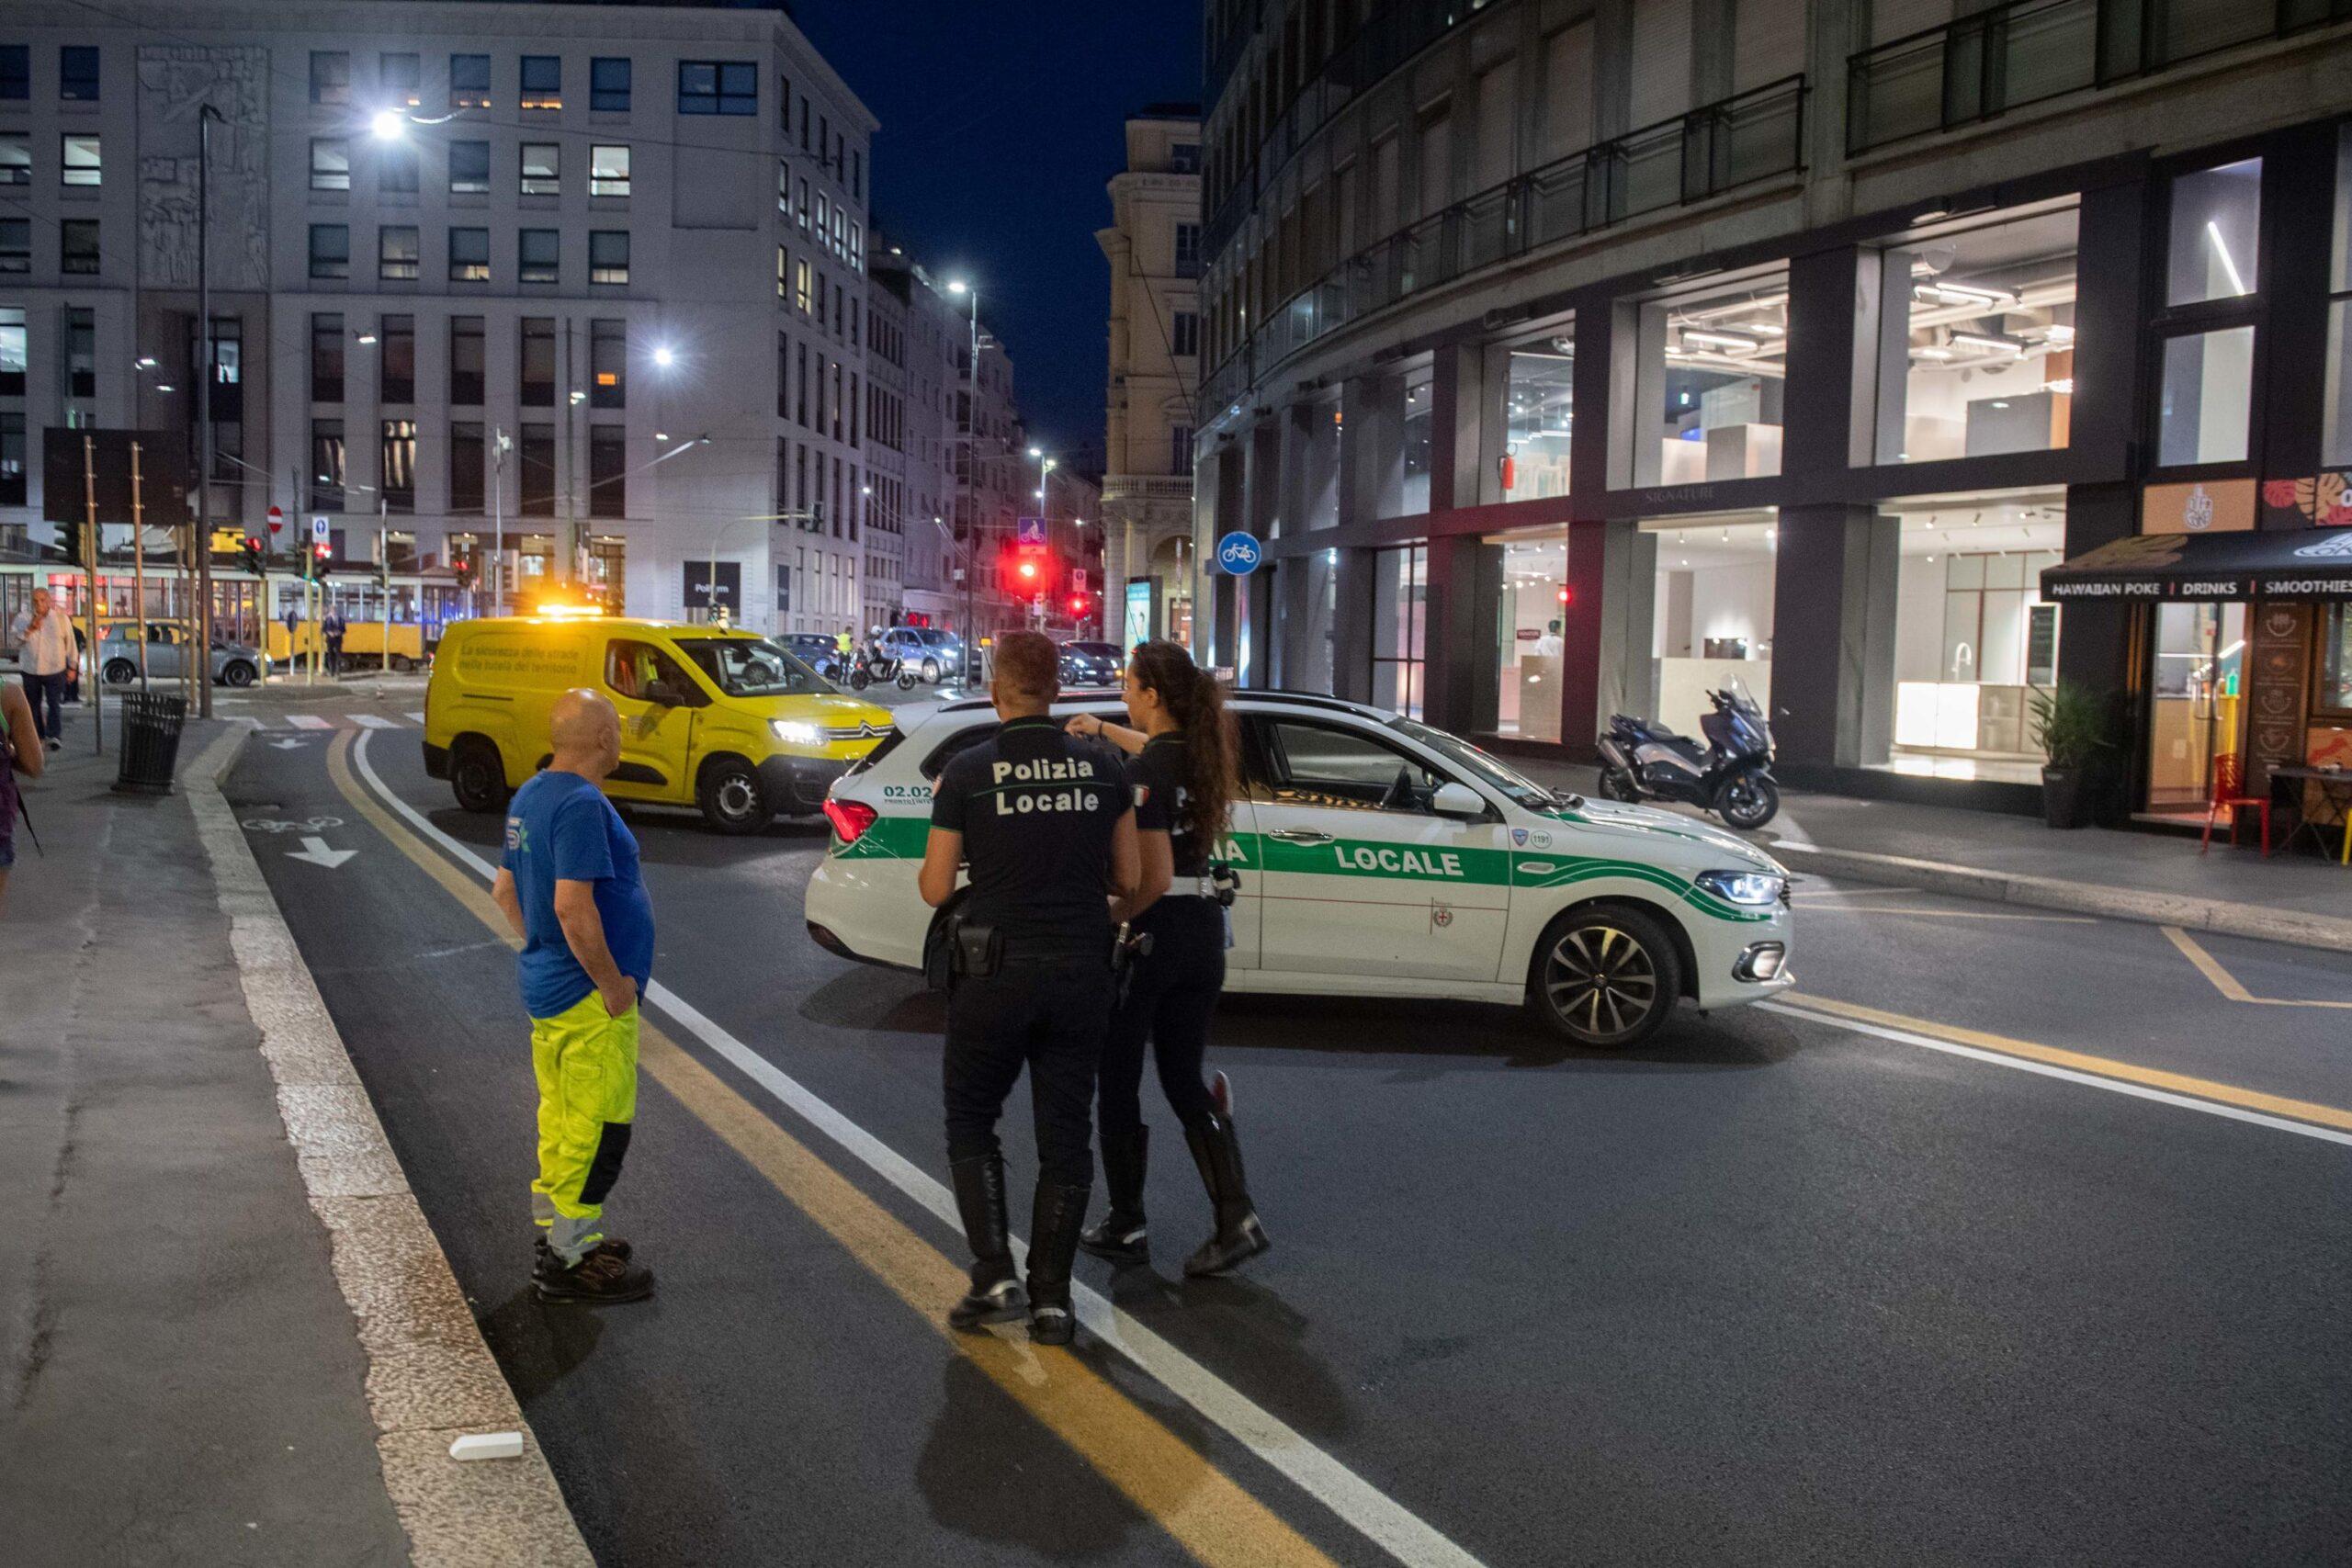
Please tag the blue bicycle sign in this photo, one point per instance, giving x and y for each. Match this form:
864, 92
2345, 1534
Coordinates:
1240, 554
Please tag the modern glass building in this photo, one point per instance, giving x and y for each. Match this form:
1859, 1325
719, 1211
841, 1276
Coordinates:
1571, 357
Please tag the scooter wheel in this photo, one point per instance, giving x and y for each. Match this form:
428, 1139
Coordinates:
1747, 801
906, 681
859, 679
1615, 785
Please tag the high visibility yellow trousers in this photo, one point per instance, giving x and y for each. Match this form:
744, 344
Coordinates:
585, 1061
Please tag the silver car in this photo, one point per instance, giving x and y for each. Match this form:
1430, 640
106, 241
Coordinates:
233, 664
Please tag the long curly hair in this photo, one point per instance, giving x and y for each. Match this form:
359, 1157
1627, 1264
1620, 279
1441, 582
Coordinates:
1197, 703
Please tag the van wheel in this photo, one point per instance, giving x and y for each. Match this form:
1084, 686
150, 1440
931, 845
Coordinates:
476, 776
1605, 976
728, 794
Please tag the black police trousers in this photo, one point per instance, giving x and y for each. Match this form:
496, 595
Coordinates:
1170, 994
1050, 1015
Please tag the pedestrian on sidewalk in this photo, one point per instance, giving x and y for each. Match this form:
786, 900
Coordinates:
21, 756
1043, 819
332, 628
51, 659
570, 886
1183, 745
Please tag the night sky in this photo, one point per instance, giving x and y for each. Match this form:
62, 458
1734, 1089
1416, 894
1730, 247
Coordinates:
1001, 124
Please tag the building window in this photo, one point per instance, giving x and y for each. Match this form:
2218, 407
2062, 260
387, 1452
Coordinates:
1529, 643
542, 82
469, 81
326, 359
470, 255
396, 479
81, 354
1400, 597
16, 158
326, 465
1183, 334
468, 168
608, 171
802, 205
857, 175
537, 255
535, 470
1402, 438
608, 255
1188, 250
1185, 158
467, 494
330, 250
330, 163
804, 286
538, 361
396, 252
77, 247
16, 71
1708, 383
396, 359
542, 169
1712, 593
800, 385
77, 74
2336, 439
2206, 398
607, 364
2216, 229
16, 245
709, 86
12, 348
608, 471
1539, 412
397, 166
608, 84
12, 459
466, 359
400, 78
79, 161
330, 76
1180, 448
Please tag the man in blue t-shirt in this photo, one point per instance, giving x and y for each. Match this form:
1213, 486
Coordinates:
568, 883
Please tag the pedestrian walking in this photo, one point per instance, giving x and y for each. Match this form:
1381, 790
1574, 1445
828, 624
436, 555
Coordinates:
52, 661
1043, 819
333, 629
21, 756
570, 886
1183, 744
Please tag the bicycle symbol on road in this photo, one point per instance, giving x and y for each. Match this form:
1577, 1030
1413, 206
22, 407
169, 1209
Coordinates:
268, 825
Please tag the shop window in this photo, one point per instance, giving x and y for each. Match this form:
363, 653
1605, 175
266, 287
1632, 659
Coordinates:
2331, 697
2206, 394
1709, 375
1531, 627
1308, 650
1539, 405
1977, 345
469, 257
2215, 233
1711, 614
2193, 709
2336, 442
1399, 622
1405, 432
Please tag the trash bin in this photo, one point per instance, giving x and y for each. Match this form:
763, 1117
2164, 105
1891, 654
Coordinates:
150, 742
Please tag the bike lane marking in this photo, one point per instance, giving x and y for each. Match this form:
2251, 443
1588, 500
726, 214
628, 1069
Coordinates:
1211, 1515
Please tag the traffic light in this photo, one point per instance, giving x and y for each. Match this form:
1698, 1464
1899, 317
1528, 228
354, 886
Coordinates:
250, 555
1027, 570
1077, 604
322, 552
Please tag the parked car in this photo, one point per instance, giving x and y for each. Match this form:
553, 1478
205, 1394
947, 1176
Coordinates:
817, 650
1092, 664
928, 652
233, 663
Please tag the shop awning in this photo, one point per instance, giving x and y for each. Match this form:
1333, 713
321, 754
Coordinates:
2274, 563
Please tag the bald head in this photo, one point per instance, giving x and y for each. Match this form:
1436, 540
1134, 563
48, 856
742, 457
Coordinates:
585, 731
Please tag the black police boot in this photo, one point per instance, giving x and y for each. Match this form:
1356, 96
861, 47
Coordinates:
1119, 1237
995, 1295
1053, 1243
1239, 1236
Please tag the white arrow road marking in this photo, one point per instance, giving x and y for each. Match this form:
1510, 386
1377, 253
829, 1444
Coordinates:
309, 721
315, 851
374, 721
287, 743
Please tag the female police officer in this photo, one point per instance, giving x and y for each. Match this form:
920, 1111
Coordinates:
1182, 743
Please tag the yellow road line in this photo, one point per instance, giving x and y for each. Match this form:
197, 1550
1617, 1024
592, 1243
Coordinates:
2080, 1062
1208, 1514
2229, 984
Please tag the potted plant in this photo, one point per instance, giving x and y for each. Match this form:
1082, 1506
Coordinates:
2070, 726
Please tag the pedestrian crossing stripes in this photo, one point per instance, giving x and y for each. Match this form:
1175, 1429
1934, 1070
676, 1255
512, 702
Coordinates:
313, 723
374, 721
309, 721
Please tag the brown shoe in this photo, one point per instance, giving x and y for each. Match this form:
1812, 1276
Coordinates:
599, 1276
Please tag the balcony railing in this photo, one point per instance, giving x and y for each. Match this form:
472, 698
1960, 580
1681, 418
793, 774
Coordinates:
1756, 135
1146, 487
1982, 66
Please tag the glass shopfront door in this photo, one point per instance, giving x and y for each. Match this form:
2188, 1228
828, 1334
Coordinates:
2194, 714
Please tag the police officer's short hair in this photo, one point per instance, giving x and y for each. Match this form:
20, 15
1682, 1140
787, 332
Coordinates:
1027, 662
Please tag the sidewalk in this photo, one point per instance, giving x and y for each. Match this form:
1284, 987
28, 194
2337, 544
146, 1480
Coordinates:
2152, 877
221, 1341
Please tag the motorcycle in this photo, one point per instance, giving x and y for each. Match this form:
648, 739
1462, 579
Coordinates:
1731, 775
873, 668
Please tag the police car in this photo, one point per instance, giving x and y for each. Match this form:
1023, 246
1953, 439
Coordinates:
1379, 857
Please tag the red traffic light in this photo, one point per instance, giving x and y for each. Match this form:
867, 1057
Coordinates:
252, 544
323, 551
1028, 571
1077, 604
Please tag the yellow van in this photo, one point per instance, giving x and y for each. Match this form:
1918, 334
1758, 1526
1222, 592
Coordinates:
722, 720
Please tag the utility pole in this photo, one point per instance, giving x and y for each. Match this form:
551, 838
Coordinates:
90, 569
201, 627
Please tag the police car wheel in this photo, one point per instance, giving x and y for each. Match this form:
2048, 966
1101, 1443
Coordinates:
477, 777
730, 796
1605, 976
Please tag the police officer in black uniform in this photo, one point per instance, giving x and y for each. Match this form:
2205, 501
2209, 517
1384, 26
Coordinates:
1044, 821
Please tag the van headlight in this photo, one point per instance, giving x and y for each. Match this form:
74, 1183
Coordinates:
796, 732
1751, 888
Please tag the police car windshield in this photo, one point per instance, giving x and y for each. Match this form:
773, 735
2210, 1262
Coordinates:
1493, 770
752, 667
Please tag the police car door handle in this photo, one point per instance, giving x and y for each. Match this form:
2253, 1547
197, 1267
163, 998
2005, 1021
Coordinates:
1300, 836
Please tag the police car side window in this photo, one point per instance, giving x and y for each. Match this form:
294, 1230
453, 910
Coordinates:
947, 750
1331, 767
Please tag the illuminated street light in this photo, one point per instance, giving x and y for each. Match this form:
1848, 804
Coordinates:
664, 356
389, 125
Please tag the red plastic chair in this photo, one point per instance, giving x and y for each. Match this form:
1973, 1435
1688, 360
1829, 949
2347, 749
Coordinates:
2229, 790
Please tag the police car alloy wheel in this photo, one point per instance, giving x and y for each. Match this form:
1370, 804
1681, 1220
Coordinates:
1606, 976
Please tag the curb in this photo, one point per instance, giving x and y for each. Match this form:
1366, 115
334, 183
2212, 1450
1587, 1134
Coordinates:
2258, 921
431, 1377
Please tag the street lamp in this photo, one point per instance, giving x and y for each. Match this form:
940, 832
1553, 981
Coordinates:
971, 473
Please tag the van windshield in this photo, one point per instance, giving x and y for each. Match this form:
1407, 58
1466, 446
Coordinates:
752, 667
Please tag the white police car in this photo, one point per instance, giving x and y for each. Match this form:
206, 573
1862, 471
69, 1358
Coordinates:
1380, 857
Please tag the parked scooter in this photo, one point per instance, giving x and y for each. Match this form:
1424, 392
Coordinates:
1731, 775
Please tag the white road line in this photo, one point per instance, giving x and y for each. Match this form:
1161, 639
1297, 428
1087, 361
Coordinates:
1388, 1524
2089, 1080
309, 721
413, 718
373, 721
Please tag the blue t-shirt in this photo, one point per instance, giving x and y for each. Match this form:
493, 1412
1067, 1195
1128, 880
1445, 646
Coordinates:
561, 827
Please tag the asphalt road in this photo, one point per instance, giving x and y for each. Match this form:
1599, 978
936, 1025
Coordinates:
1771, 1289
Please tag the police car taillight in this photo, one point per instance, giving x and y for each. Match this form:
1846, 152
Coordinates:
850, 819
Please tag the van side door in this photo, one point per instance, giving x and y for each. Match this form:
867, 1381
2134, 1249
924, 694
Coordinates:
656, 701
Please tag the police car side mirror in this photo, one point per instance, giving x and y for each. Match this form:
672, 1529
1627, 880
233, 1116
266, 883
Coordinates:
1458, 801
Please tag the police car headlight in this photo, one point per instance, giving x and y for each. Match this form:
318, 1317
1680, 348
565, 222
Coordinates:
793, 732
1751, 887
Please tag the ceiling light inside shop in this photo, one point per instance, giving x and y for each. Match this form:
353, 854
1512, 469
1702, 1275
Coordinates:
1990, 344
1721, 340
2063, 384
1932, 353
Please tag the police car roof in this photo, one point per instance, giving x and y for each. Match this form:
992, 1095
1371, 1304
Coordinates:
1253, 696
